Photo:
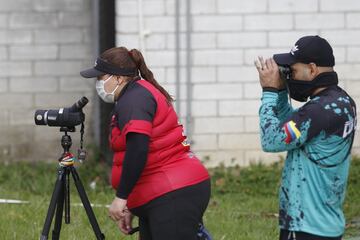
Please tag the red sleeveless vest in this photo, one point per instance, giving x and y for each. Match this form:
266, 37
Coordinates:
170, 163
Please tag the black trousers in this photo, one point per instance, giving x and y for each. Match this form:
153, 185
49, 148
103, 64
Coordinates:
175, 215
286, 235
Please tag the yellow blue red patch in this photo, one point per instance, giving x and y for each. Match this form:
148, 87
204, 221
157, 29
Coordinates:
292, 132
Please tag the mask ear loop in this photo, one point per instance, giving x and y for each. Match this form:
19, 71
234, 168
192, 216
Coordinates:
108, 78
117, 85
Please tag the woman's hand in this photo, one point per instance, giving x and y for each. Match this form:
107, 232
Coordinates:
120, 214
269, 73
125, 223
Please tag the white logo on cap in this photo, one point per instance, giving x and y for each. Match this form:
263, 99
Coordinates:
95, 63
294, 49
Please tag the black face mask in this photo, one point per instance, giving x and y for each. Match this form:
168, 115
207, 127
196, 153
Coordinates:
301, 90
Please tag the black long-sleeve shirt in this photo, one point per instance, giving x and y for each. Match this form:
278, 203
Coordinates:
137, 147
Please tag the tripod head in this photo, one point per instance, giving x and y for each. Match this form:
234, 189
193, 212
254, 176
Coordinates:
66, 141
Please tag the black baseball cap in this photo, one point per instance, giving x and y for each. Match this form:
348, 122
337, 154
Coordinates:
103, 67
308, 49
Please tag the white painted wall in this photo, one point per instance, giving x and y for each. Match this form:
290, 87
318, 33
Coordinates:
227, 36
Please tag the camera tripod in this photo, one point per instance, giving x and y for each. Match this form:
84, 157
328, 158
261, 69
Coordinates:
61, 193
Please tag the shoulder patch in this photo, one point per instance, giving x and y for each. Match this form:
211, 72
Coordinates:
292, 132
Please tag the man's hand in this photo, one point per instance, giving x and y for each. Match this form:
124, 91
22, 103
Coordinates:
120, 214
269, 73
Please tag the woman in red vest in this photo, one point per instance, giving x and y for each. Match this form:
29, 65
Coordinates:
156, 176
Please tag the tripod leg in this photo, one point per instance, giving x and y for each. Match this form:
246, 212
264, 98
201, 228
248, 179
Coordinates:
52, 205
85, 201
59, 210
67, 196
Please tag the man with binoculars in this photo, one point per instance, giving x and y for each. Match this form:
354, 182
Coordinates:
318, 138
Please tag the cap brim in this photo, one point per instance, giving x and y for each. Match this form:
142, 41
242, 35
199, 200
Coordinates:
91, 73
284, 59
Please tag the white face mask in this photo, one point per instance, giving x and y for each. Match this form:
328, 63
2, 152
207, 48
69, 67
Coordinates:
105, 96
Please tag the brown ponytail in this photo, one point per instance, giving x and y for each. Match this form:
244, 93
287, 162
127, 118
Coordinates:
146, 73
123, 58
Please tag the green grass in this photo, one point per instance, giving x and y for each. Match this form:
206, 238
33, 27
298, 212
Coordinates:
244, 202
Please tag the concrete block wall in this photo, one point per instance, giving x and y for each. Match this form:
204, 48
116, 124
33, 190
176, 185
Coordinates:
227, 35
43, 46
